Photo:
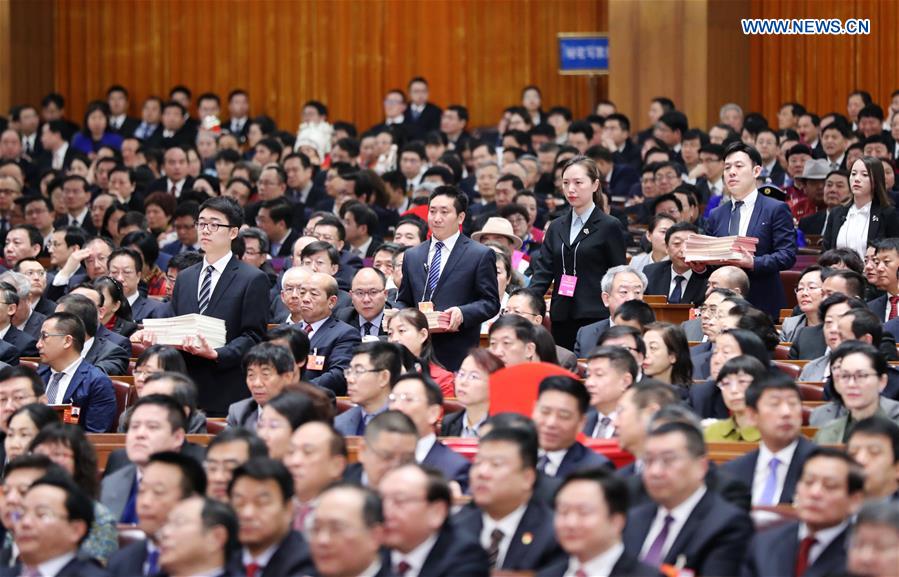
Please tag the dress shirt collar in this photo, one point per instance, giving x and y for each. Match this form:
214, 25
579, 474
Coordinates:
555, 459
262, 560
749, 201
362, 248
472, 429
218, 265
507, 524
602, 564
372, 569
117, 121
419, 108
376, 321
87, 347
449, 243
864, 210
52, 567
315, 325
395, 120
785, 455
686, 274
682, 512
5, 330
423, 447
584, 215
823, 538
69, 370
80, 217
416, 557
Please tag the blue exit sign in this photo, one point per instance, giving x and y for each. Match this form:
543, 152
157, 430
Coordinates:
583, 53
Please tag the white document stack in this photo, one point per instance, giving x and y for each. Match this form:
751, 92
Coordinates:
171, 331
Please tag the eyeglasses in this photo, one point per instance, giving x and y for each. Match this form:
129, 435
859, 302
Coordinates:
359, 371
462, 376
211, 226
845, 377
44, 336
520, 313
402, 397
809, 288
361, 294
291, 290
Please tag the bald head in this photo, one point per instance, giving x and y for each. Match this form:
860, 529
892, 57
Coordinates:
10, 145
729, 277
324, 282
299, 245
294, 276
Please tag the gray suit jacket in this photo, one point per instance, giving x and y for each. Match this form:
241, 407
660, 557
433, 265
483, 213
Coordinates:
116, 488
243, 414
829, 412
791, 327
567, 359
814, 370
348, 421
693, 329
834, 432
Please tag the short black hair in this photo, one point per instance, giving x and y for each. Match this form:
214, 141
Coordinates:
185, 260
537, 304
297, 340
83, 308
193, 476
71, 325
693, 436
525, 440
215, 513
256, 447
635, 310
25, 372
856, 479
774, 381
226, 206
680, 227
265, 469
318, 246
614, 489
372, 509
432, 390
747, 149
270, 354
569, 386
619, 358
619, 331
78, 505
879, 427
459, 198
294, 406
176, 417
384, 356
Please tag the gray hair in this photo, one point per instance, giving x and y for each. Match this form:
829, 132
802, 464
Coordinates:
879, 513
609, 277
18, 280
258, 234
729, 106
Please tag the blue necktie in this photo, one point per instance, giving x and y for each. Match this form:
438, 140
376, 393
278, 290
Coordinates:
152, 562
129, 513
205, 290
734, 228
654, 555
434, 271
770, 487
678, 291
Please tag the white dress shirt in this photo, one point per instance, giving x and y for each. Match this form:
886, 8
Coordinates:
553, 460
5, 330
680, 514
315, 326
218, 268
179, 186
423, 447
59, 157
607, 432
362, 249
445, 252
854, 232
52, 567
762, 468
716, 188
67, 374
372, 569
78, 220
746, 210
262, 560
599, 566
116, 122
87, 347
768, 168
28, 143
508, 525
415, 558
687, 274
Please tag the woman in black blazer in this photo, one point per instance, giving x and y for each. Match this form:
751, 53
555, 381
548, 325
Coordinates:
575, 266
846, 227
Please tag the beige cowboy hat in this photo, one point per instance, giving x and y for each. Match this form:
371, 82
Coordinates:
499, 226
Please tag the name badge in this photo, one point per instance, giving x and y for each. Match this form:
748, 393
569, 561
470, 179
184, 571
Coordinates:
315, 361
567, 285
71, 415
426, 307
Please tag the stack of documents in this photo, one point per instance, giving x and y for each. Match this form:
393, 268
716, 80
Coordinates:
701, 248
172, 331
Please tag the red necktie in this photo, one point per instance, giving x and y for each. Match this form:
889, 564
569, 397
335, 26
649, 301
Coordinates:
894, 307
402, 568
252, 569
805, 547
174, 190
308, 329
580, 573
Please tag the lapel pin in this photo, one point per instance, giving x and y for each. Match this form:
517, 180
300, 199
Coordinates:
586, 231
874, 218
527, 538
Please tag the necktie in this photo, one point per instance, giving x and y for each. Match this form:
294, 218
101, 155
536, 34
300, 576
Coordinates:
129, 513
580, 573
496, 537
366, 329
402, 568
363, 422
678, 291
602, 427
30, 572
894, 303
770, 487
654, 555
734, 228
805, 547
299, 520
174, 189
206, 289
153, 562
434, 271
53, 388
764, 174
578, 225
541, 463
307, 329
252, 569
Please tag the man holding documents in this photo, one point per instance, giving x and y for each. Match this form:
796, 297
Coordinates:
749, 213
224, 287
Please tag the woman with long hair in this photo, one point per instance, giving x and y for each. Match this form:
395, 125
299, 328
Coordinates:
409, 327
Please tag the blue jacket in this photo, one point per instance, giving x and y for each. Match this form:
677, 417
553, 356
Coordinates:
91, 391
336, 341
772, 223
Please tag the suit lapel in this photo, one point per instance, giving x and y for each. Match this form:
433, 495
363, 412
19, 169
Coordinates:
874, 221
74, 383
322, 330
693, 524
455, 256
191, 288
756, 215
565, 229
224, 282
793, 472
589, 227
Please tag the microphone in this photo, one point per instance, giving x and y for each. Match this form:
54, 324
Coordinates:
424, 295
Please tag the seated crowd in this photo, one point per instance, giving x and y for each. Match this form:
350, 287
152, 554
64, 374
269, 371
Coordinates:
392, 299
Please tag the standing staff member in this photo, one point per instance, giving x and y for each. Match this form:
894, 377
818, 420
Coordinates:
577, 251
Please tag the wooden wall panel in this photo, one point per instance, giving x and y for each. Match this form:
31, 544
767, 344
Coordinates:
479, 53
820, 71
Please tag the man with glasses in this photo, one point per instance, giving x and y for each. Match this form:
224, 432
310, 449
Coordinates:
369, 294
126, 266
390, 440
226, 452
269, 368
185, 224
26, 319
38, 212
374, 368
22, 241
718, 303
22, 343
620, 284
222, 287
88, 263
34, 270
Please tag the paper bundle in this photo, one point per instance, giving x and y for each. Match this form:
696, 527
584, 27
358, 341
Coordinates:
171, 331
701, 248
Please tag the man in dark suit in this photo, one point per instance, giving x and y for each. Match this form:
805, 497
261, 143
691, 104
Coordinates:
119, 121
176, 179
168, 478
560, 414
361, 224
22, 342
676, 279
768, 220
815, 545
229, 290
453, 273
369, 294
261, 492
101, 353
391, 437
593, 542
269, 369
874, 443
178, 129
102, 332
619, 285
887, 268
77, 195
69, 379
330, 229
421, 540
610, 371
616, 137
619, 176
421, 117
156, 424
185, 222
686, 524
125, 265
421, 400
57, 516
374, 367
238, 122
198, 539
57, 154
359, 512
331, 341
773, 469
514, 527
771, 170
